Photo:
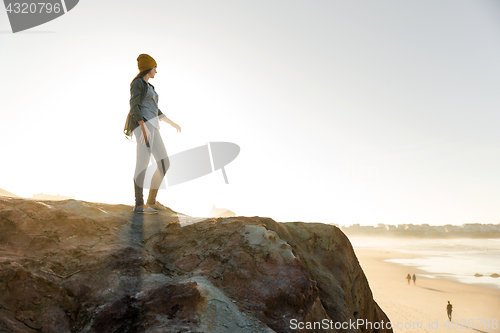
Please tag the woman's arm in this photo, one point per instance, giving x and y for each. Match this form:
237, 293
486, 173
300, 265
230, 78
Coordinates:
136, 91
168, 121
145, 132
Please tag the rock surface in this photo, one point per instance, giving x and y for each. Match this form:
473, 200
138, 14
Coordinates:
76, 266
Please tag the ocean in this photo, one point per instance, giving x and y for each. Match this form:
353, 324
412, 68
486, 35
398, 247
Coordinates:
456, 259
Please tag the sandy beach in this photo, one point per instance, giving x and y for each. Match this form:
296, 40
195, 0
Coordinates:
426, 301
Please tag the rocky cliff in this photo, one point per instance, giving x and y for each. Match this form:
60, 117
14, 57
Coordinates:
75, 266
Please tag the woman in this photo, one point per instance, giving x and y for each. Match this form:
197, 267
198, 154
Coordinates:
144, 122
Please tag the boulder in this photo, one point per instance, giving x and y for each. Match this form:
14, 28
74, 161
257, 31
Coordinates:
76, 266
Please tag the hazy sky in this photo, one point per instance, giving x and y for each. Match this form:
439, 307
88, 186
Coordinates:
345, 111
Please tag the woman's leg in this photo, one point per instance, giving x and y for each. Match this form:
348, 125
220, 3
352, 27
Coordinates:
162, 165
142, 161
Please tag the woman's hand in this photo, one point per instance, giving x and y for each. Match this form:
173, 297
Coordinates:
176, 127
146, 134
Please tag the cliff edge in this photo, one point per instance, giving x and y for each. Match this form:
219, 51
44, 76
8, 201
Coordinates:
76, 266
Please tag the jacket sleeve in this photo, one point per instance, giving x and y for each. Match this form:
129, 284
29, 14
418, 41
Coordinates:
160, 114
135, 100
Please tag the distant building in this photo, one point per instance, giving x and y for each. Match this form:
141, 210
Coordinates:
221, 212
4, 193
41, 196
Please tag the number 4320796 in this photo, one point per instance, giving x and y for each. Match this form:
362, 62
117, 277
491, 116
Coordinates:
32, 8
472, 324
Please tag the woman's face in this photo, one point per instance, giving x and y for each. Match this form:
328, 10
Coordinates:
152, 72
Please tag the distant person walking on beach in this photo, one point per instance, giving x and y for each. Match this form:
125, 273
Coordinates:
414, 279
144, 122
449, 309
408, 277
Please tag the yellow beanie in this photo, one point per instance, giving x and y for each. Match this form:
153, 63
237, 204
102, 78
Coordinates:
145, 61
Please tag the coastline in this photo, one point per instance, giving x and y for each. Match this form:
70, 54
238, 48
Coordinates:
426, 301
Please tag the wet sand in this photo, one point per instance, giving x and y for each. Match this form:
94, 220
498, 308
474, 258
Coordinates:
426, 301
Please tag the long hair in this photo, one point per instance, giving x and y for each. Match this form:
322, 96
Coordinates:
141, 74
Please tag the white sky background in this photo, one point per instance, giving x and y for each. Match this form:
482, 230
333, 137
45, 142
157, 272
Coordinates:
345, 111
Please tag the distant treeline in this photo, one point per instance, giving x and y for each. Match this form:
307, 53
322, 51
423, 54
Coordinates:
425, 230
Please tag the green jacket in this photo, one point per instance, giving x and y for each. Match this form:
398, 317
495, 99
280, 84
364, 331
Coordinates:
138, 91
